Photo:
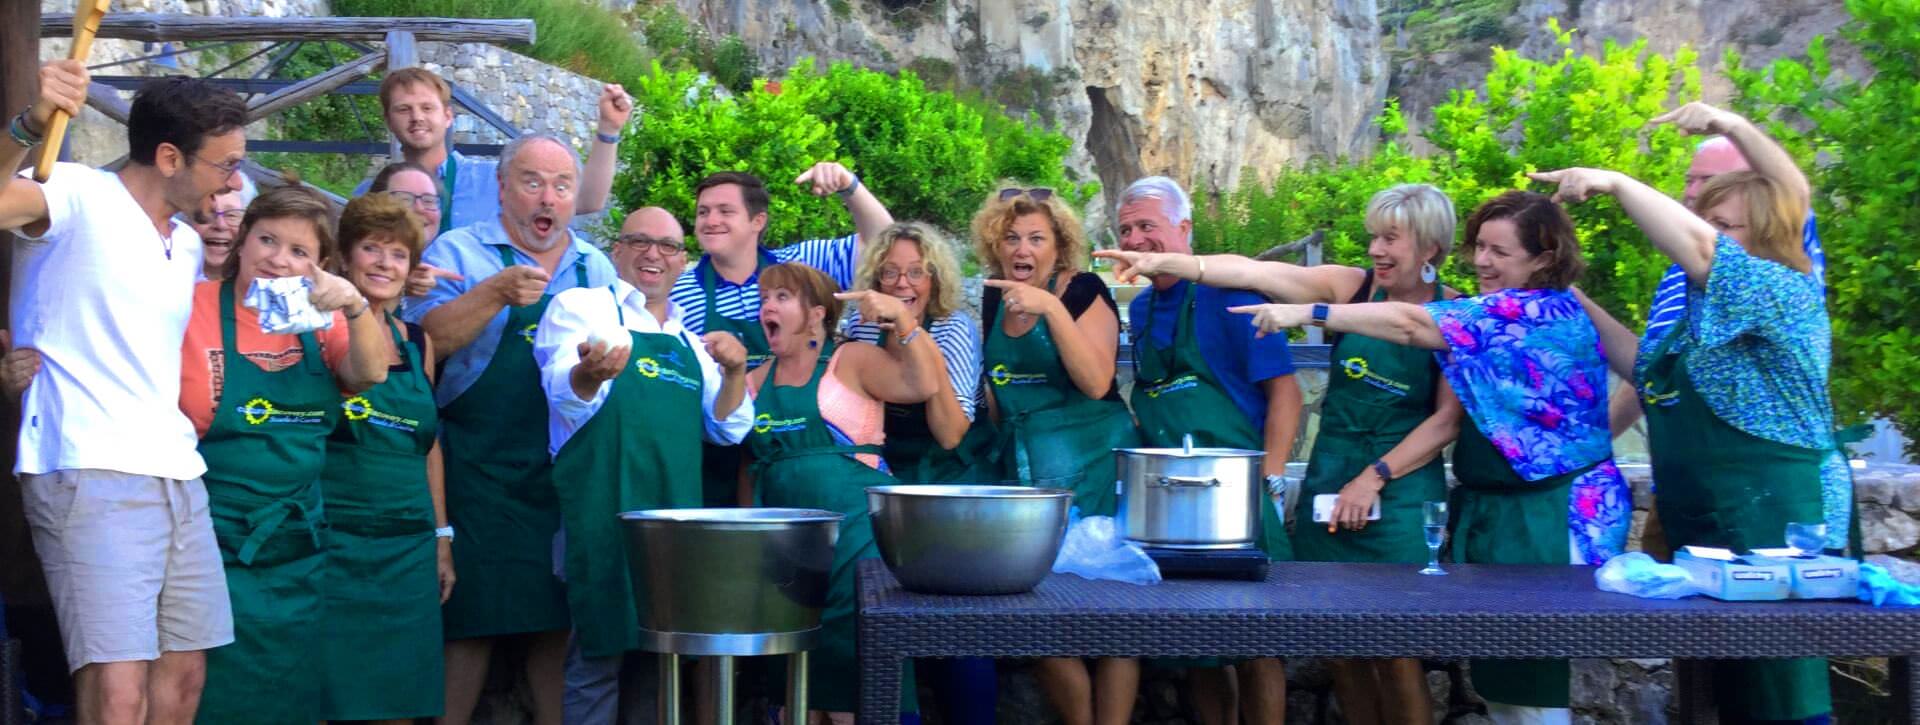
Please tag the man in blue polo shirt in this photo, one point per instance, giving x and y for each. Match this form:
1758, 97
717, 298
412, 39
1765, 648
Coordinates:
1200, 370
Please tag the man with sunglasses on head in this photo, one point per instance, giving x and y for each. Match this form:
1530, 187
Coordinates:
721, 293
109, 467
629, 393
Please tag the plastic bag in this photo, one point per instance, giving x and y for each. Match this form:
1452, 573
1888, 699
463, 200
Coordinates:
1879, 588
1639, 575
284, 306
1094, 549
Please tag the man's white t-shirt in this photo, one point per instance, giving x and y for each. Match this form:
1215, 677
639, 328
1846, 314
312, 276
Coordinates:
105, 299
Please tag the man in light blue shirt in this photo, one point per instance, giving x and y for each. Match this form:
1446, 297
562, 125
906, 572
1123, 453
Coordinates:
418, 106
500, 497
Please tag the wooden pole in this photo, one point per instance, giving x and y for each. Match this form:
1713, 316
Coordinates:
155, 28
56, 133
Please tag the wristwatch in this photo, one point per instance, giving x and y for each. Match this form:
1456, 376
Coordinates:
444, 532
1385, 471
1320, 314
848, 192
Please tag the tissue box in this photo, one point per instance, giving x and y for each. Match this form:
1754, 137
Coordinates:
1815, 577
1735, 580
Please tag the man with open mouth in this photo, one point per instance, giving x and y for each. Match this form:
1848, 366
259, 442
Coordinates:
418, 106
500, 495
721, 292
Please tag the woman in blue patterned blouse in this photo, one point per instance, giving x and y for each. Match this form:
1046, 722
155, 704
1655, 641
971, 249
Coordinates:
1537, 479
1738, 416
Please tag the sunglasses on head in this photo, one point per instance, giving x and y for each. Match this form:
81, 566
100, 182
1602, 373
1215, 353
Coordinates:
1040, 194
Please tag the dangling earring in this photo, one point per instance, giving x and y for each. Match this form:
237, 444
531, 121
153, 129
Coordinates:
1427, 273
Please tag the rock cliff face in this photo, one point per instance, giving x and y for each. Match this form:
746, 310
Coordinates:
1204, 90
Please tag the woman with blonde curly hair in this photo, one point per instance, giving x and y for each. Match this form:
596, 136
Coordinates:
914, 263
1052, 333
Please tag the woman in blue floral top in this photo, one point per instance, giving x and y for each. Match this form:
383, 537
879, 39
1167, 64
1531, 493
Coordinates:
1537, 479
1738, 417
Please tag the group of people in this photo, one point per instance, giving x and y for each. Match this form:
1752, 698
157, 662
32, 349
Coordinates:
345, 524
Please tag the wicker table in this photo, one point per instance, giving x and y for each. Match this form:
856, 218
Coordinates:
1360, 610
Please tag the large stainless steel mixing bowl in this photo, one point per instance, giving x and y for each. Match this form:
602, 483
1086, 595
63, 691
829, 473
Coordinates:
968, 539
730, 581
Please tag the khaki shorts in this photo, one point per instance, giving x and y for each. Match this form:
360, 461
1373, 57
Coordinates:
131, 562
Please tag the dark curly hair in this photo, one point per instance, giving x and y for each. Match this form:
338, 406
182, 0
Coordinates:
1544, 229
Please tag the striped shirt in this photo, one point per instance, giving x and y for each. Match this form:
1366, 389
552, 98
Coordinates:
1670, 297
958, 338
742, 301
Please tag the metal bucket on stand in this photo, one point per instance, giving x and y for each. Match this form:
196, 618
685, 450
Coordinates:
730, 583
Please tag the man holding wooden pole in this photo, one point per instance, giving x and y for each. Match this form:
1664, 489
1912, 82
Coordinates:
102, 284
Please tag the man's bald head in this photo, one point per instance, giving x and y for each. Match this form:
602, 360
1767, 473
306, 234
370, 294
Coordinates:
651, 251
1713, 157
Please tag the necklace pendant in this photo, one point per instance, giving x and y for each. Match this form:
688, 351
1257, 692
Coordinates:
169, 254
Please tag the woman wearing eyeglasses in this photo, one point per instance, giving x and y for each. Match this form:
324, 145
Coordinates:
931, 442
411, 184
1052, 334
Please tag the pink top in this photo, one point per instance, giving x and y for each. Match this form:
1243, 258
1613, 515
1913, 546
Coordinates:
854, 418
860, 418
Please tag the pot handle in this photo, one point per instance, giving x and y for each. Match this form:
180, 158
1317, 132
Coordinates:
1193, 481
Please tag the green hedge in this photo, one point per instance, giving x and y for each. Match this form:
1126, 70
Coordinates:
929, 155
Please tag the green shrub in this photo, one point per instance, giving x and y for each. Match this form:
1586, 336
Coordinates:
333, 117
1534, 115
1866, 134
928, 155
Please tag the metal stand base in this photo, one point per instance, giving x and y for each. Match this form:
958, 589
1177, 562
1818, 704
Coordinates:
722, 688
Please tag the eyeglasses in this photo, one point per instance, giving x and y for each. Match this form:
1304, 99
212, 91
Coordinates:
1039, 194
226, 169
230, 216
429, 202
889, 275
661, 245
561, 189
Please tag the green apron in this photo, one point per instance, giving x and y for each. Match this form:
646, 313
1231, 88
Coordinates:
382, 580
1721, 486
1176, 393
500, 496
1051, 434
798, 463
914, 456
629, 456
1496, 517
720, 465
264, 453
1377, 393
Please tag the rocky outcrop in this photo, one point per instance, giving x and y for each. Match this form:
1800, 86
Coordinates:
1205, 90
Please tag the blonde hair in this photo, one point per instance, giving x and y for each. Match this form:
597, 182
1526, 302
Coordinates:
1418, 209
935, 253
414, 76
1774, 216
990, 225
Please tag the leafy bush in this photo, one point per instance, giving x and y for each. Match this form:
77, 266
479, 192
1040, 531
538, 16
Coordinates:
927, 154
329, 117
1866, 134
1534, 115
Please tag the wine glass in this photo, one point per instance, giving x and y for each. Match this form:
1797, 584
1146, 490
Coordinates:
1434, 516
1807, 539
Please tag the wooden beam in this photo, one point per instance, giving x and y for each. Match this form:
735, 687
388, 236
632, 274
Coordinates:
106, 100
370, 148
244, 86
315, 87
401, 53
157, 28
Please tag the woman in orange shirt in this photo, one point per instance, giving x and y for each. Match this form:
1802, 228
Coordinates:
263, 405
